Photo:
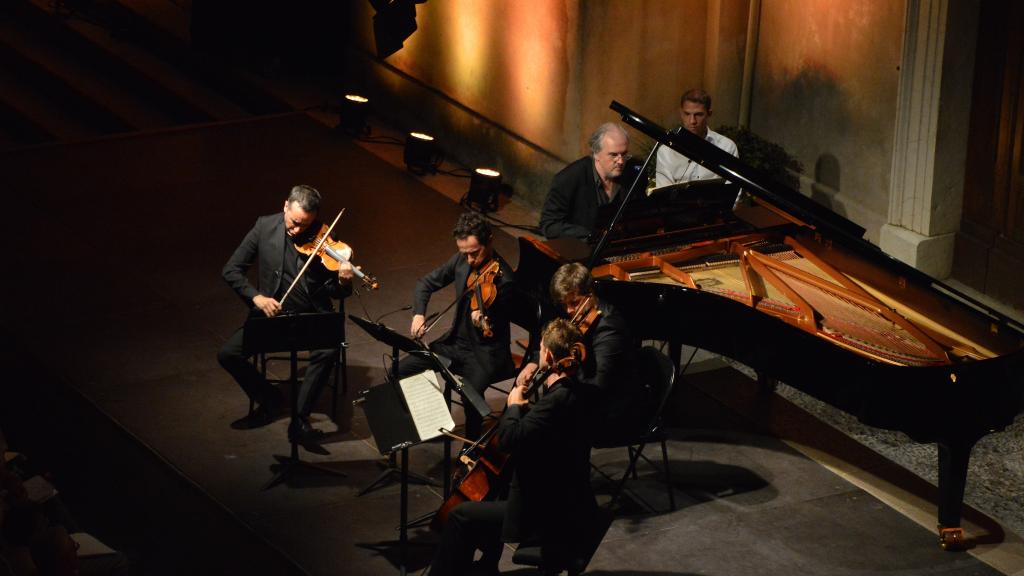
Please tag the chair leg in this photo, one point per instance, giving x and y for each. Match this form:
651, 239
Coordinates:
344, 369
634, 455
668, 476
259, 361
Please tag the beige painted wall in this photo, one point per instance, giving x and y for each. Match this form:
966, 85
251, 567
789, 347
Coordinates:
825, 87
643, 54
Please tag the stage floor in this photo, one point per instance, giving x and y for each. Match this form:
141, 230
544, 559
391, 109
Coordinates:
114, 288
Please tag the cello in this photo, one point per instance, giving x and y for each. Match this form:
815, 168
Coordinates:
486, 469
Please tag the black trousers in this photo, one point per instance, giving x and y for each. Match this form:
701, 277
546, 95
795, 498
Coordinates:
236, 361
461, 362
471, 526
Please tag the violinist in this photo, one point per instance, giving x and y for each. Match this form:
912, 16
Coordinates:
479, 358
272, 244
609, 362
550, 498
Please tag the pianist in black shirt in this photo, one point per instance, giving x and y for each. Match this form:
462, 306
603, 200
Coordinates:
582, 187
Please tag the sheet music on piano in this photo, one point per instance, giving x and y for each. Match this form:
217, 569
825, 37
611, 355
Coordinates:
425, 398
686, 186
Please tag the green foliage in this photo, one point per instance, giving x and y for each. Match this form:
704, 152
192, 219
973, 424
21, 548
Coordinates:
766, 156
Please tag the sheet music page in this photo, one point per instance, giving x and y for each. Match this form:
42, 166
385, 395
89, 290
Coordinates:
89, 545
425, 399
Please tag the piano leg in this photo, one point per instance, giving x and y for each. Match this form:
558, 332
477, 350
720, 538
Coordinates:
953, 459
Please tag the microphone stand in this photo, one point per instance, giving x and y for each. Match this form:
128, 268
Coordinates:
622, 205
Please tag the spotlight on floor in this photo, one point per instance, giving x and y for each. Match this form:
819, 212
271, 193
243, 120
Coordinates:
421, 154
352, 114
484, 186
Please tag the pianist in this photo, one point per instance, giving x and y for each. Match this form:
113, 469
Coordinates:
581, 187
694, 111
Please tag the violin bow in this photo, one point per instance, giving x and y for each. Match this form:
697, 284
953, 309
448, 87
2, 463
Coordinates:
316, 252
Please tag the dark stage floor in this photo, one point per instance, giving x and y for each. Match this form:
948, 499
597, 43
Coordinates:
115, 290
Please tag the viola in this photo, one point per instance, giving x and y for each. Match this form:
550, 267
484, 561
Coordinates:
483, 292
586, 314
332, 253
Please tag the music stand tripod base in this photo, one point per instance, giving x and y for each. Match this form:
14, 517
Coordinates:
291, 333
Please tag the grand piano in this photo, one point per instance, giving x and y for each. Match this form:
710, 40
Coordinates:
772, 279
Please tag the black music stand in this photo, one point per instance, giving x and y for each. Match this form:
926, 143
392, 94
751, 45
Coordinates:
382, 333
394, 432
405, 344
291, 333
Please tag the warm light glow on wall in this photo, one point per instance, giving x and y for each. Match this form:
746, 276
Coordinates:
505, 59
472, 37
537, 66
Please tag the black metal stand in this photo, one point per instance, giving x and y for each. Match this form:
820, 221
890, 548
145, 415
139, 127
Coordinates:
291, 462
292, 333
392, 427
390, 469
395, 433
473, 399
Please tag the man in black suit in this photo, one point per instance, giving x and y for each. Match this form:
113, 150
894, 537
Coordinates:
481, 360
609, 363
271, 245
577, 192
550, 502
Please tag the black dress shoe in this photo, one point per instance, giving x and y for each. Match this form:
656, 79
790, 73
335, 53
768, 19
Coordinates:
302, 432
260, 417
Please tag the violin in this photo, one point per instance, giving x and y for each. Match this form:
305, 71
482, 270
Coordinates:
332, 253
483, 291
485, 467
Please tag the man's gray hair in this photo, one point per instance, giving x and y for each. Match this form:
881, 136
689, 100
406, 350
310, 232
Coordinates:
307, 197
597, 138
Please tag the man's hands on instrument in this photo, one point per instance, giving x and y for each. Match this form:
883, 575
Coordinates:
268, 306
526, 374
418, 321
345, 273
517, 395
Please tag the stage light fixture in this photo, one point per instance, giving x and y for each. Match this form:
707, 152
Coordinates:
352, 113
393, 23
421, 153
484, 186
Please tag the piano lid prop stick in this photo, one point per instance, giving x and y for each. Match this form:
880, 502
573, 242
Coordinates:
622, 206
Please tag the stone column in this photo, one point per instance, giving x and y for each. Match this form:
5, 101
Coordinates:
930, 148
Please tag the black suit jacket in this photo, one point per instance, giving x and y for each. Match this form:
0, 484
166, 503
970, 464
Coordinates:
550, 443
264, 245
492, 354
570, 209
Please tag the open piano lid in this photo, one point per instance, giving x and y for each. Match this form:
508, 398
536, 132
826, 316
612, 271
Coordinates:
796, 207
751, 180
